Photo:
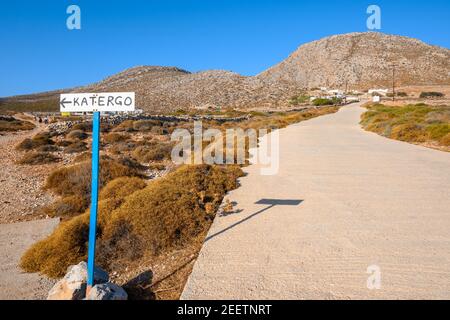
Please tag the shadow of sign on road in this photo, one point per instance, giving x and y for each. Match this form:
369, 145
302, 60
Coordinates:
270, 204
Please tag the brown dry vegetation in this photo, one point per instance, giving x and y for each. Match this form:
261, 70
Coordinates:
73, 184
136, 221
36, 158
8, 123
419, 123
77, 134
39, 140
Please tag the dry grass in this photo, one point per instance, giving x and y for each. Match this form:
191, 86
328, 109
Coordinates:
137, 220
419, 123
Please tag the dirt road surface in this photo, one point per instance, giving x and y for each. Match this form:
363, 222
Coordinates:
374, 213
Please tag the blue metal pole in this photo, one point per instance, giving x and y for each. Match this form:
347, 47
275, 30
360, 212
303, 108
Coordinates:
94, 198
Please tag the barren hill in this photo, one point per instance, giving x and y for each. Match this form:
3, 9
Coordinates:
169, 88
361, 60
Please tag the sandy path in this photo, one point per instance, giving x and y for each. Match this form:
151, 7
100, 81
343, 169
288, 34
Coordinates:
366, 200
20, 186
15, 238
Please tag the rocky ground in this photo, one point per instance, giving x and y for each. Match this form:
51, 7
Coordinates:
20, 186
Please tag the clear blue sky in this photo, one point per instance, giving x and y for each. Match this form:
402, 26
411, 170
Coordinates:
38, 52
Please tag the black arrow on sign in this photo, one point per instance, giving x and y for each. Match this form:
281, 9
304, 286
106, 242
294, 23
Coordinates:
63, 102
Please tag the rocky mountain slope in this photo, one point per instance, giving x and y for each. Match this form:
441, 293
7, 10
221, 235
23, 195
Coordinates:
169, 88
362, 60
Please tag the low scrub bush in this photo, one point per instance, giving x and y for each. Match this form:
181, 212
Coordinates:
38, 140
299, 99
77, 135
326, 102
76, 147
35, 158
76, 179
135, 220
417, 123
146, 125
114, 137
85, 126
67, 207
125, 126
47, 148
445, 140
431, 94
153, 151
84, 156
123, 146
8, 123
63, 143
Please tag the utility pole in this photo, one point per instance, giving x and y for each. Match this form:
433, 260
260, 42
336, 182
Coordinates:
393, 82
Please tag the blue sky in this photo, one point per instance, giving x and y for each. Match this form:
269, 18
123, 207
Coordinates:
38, 52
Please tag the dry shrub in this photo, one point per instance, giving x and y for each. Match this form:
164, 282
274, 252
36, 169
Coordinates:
83, 126
114, 137
85, 156
153, 151
121, 187
38, 140
67, 206
146, 125
126, 126
411, 123
77, 135
437, 131
8, 123
63, 143
66, 246
47, 148
409, 132
35, 158
76, 147
134, 220
170, 212
76, 179
156, 166
124, 146
445, 140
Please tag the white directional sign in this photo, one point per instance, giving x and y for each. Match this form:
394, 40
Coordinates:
89, 102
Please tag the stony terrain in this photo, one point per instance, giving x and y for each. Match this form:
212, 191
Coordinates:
161, 89
363, 60
20, 186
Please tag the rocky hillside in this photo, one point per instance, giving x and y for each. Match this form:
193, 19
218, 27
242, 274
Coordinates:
167, 88
363, 60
